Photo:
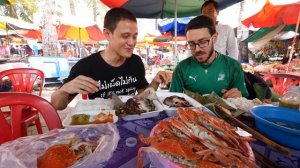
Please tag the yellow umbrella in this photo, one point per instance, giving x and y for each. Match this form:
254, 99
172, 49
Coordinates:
82, 34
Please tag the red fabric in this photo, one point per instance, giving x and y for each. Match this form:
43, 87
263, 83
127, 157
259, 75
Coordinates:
114, 3
271, 15
33, 34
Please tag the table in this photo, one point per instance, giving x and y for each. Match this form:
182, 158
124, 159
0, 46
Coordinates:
126, 157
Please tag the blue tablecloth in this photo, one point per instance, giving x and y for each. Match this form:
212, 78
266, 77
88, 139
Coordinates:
125, 157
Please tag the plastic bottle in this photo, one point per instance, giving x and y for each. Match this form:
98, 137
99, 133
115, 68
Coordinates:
291, 99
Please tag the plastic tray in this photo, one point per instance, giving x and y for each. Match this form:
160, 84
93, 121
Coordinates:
172, 111
158, 108
94, 104
67, 121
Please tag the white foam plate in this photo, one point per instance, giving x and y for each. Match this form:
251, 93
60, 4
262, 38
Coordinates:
67, 121
94, 105
158, 108
172, 111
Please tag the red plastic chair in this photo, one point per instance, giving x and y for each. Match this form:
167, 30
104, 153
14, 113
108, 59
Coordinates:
282, 82
23, 80
17, 101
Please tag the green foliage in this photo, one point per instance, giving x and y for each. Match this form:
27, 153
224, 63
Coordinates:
20, 9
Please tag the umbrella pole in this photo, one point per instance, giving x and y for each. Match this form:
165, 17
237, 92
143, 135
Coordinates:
175, 33
293, 44
79, 43
7, 40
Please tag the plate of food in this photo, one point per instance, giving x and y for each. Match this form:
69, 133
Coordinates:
196, 139
138, 108
70, 147
172, 100
82, 119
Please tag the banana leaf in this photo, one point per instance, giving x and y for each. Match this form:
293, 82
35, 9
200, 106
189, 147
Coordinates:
198, 97
210, 100
214, 98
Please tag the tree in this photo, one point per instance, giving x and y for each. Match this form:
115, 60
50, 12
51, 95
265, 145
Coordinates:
20, 9
49, 33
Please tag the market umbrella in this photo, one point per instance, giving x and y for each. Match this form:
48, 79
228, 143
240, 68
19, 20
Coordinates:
273, 14
32, 34
168, 25
164, 8
12, 24
279, 13
265, 31
82, 34
9, 23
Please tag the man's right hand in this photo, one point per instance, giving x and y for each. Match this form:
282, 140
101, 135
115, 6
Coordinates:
82, 85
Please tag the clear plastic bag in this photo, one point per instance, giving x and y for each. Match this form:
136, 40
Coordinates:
23, 152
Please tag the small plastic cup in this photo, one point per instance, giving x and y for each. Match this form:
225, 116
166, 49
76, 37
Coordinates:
131, 142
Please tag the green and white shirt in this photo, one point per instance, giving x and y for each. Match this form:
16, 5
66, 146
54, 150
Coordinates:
223, 73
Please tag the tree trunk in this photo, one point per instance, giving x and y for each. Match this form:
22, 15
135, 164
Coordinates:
49, 33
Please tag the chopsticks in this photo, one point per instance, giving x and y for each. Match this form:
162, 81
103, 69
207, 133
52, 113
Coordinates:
224, 112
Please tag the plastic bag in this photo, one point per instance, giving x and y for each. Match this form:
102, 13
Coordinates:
23, 152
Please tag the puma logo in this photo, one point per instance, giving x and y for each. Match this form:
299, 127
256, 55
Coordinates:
221, 77
193, 78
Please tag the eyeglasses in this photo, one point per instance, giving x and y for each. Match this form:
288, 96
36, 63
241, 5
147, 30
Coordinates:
203, 43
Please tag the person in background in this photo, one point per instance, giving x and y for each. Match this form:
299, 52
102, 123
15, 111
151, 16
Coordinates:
27, 50
207, 70
257, 88
226, 43
113, 70
13, 50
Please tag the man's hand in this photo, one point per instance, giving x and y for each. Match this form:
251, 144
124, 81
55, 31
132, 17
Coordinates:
81, 85
232, 93
160, 78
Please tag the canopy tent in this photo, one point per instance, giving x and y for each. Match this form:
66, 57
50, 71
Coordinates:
9, 23
14, 25
264, 31
275, 12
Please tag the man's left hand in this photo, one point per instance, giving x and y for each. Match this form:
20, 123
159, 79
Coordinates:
161, 77
232, 93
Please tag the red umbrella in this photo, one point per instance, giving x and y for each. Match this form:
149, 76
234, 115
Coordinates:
273, 15
33, 34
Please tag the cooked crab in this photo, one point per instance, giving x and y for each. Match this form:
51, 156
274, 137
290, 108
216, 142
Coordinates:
176, 101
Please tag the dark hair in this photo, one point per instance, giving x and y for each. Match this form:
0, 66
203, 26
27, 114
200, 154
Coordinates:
215, 4
201, 21
115, 15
